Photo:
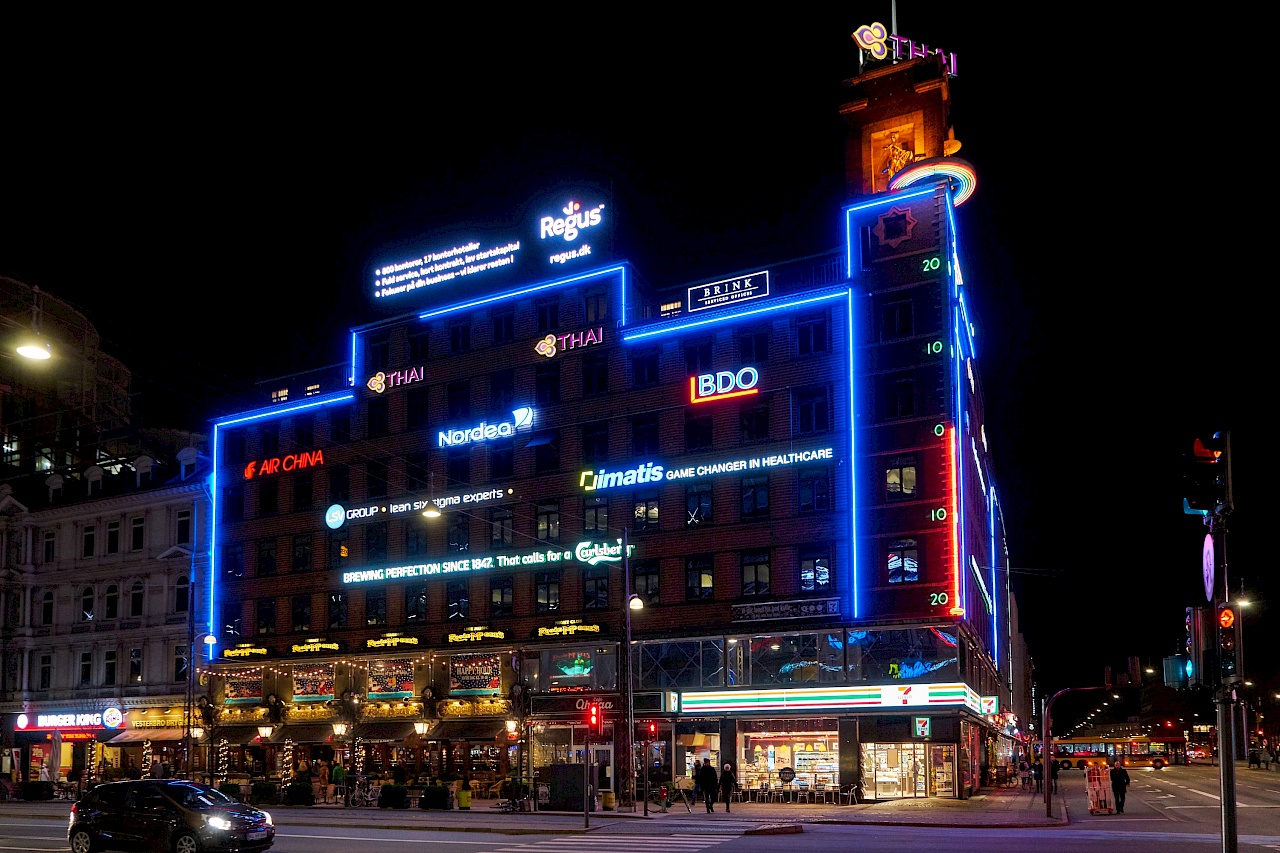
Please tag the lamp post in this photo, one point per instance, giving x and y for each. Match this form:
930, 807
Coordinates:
625, 745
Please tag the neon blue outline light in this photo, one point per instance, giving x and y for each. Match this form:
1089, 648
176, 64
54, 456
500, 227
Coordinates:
512, 294
878, 201
853, 461
673, 326
958, 457
215, 495
995, 616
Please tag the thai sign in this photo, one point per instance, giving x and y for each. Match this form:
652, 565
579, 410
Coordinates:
381, 381
552, 344
879, 43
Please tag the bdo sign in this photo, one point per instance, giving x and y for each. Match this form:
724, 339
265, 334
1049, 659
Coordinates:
723, 384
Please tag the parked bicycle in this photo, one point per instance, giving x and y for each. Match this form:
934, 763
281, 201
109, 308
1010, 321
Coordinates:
364, 792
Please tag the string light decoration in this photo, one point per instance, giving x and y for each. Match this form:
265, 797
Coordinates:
146, 756
286, 772
91, 771
358, 758
224, 758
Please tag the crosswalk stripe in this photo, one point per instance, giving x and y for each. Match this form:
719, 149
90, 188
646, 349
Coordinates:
615, 844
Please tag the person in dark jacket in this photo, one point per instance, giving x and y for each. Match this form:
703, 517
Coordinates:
728, 784
1119, 784
709, 781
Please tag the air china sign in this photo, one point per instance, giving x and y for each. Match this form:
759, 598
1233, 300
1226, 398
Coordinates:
279, 464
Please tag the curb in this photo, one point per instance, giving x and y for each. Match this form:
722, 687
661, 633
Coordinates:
775, 829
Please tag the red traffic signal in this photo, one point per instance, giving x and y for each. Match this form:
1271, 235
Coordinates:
594, 720
1205, 477
653, 731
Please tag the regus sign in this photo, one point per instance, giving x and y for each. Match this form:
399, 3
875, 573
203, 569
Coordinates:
521, 418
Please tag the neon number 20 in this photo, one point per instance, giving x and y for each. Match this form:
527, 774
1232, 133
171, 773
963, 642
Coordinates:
930, 264
937, 599
939, 514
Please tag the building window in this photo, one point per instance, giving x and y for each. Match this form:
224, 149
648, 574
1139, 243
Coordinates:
415, 540
502, 390
111, 602
419, 344
375, 481
644, 434
644, 368
86, 669
182, 595
303, 492
416, 408
458, 600
754, 420
377, 353
266, 615
457, 400
50, 546
231, 614
753, 347
457, 466
547, 521
595, 375
340, 426
304, 432
595, 588
182, 524
546, 454
271, 440
645, 580
546, 592
501, 597
502, 459
266, 558
233, 502
812, 409
501, 527
546, 384
814, 490
755, 573
897, 320
417, 475
899, 397
459, 336
300, 608
646, 512
375, 542
697, 504
697, 357
179, 663
903, 561
595, 306
595, 514
504, 327
340, 484
337, 610
46, 608
415, 604
302, 553
900, 478
87, 600
113, 537
375, 608
109, 667
86, 541
698, 581
697, 432
811, 334
459, 532
268, 498
339, 548
46, 672
548, 317
595, 441
236, 447
137, 599
815, 568
755, 497
135, 665
233, 560
379, 411
311, 390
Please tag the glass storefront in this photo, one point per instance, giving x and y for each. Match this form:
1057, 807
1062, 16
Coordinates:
893, 771
807, 748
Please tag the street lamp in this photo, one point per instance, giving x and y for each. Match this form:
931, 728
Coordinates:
634, 602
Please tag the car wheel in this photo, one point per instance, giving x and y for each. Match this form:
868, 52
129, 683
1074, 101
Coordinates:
82, 841
1158, 764
186, 843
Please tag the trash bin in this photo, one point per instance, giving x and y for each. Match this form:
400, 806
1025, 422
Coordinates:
464, 798
607, 799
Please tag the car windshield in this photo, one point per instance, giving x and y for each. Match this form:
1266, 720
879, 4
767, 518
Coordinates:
198, 796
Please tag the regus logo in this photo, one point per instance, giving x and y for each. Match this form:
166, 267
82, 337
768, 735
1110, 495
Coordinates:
574, 220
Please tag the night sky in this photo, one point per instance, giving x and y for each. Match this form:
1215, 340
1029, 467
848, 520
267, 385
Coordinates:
213, 205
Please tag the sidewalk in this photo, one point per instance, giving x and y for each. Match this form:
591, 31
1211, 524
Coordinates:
991, 807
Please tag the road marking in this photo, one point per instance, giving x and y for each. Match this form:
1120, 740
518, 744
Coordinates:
365, 838
615, 844
1204, 793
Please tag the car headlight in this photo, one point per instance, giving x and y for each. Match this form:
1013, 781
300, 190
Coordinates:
218, 823
267, 815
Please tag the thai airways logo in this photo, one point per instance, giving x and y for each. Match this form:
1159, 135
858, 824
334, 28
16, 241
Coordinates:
872, 38
521, 418
575, 219
377, 382
381, 381
546, 346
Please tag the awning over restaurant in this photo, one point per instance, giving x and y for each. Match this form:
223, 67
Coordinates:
385, 731
305, 733
485, 730
139, 735
236, 735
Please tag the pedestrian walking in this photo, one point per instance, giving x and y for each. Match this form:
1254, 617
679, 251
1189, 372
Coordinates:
1119, 784
1253, 759
697, 779
1037, 775
728, 784
338, 782
1024, 772
709, 780
1053, 773
322, 775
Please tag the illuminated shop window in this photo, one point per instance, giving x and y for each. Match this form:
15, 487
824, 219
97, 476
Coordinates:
670, 309
900, 478
699, 582
902, 561
815, 568
646, 512
311, 390
280, 395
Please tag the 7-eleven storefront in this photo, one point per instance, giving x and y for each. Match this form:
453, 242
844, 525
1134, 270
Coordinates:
892, 741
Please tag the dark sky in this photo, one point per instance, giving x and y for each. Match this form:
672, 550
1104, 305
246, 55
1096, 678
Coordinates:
212, 200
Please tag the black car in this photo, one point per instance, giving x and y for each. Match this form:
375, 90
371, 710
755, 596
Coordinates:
166, 815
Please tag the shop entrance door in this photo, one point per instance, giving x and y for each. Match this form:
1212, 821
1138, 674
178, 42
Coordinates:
602, 764
898, 770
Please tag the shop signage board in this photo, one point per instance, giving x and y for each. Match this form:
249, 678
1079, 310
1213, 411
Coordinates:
922, 726
551, 345
390, 641
990, 705
655, 472
723, 385
108, 718
381, 382
807, 608
475, 635
338, 514
315, 645
610, 703
245, 650
586, 553
283, 464
878, 43
831, 698
717, 294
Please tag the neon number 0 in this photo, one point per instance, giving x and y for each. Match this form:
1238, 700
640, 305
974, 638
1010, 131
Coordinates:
933, 348
939, 514
938, 598
930, 264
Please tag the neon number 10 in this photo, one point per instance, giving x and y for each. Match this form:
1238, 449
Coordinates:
939, 514
937, 599
930, 264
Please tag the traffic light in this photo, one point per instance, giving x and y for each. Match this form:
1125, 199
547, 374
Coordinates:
1206, 477
595, 720
653, 731
1228, 643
